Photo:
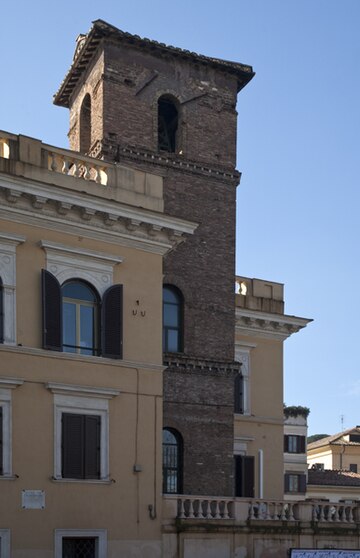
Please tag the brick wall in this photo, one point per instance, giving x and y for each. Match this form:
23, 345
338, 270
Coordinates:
199, 185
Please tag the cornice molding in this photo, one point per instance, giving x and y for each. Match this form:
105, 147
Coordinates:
71, 250
166, 160
83, 391
88, 359
266, 325
67, 210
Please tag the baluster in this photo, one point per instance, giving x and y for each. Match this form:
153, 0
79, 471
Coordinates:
97, 175
265, 510
315, 512
351, 517
283, 511
336, 513
181, 508
321, 514
191, 514
208, 510
87, 174
77, 169
291, 512
252, 511
53, 165
226, 512
66, 166
217, 510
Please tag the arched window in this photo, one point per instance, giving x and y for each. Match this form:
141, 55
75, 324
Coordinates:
168, 120
1, 312
172, 461
72, 314
85, 125
172, 320
80, 310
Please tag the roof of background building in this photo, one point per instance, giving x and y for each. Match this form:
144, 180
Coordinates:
335, 477
336, 439
87, 45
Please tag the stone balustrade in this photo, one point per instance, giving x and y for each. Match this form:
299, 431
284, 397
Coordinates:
32, 159
193, 507
78, 166
242, 510
273, 510
335, 512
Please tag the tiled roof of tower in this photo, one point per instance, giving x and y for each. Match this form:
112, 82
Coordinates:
101, 29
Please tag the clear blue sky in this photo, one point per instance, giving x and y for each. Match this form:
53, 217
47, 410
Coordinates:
298, 150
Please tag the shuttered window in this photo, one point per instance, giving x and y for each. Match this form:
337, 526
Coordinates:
294, 443
80, 446
239, 394
244, 476
295, 483
73, 324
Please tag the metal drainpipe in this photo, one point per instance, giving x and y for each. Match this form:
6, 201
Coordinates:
261, 473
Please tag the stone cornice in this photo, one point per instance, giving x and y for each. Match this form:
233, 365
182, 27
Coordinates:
125, 153
67, 210
200, 366
266, 325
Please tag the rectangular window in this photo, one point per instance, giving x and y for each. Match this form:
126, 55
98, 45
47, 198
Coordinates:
294, 443
80, 543
244, 476
80, 446
295, 483
353, 467
75, 547
4, 543
81, 431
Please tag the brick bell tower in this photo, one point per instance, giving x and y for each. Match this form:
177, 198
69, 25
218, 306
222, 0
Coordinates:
173, 112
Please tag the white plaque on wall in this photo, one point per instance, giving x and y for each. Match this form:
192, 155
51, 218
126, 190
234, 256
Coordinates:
33, 499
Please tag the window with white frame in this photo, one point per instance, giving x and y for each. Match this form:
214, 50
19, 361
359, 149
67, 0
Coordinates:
4, 543
8, 244
87, 543
82, 308
7, 385
81, 432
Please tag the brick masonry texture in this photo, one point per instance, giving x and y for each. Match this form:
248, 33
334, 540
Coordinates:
125, 83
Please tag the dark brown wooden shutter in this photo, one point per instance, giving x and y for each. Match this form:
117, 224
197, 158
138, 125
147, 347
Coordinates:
1, 442
286, 443
239, 394
72, 446
245, 476
286, 482
111, 323
92, 447
302, 483
249, 476
52, 312
80, 446
302, 444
